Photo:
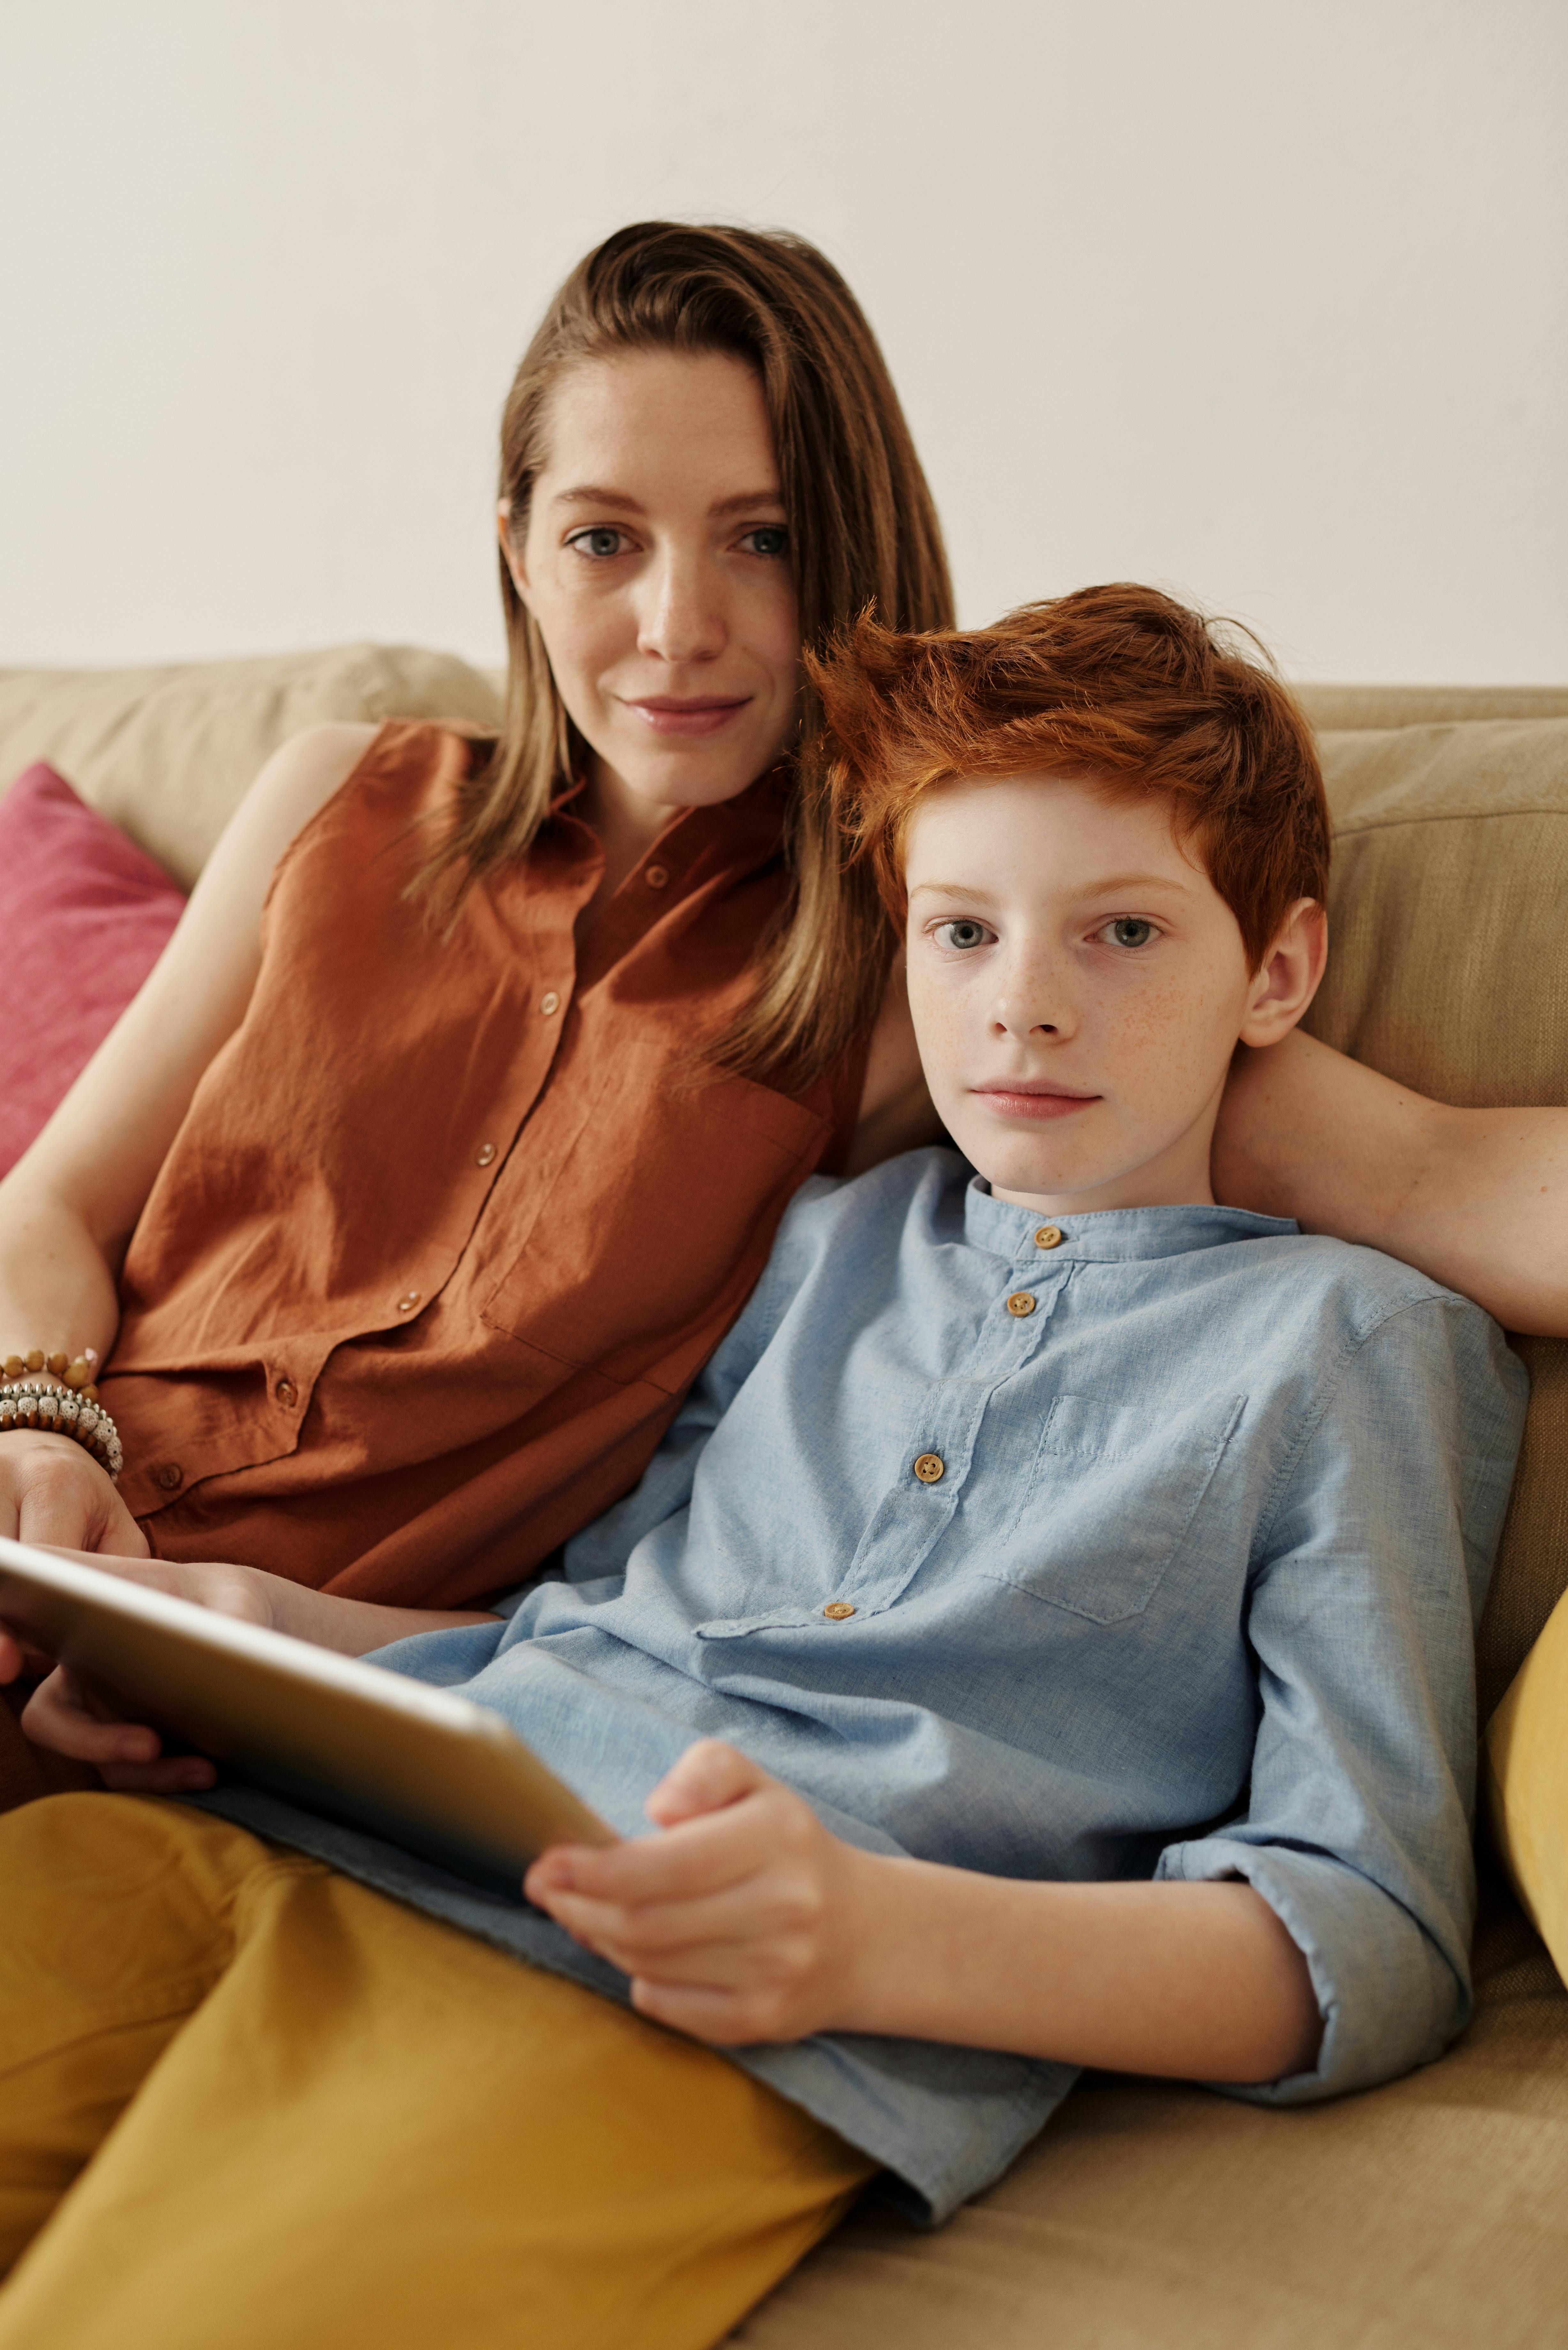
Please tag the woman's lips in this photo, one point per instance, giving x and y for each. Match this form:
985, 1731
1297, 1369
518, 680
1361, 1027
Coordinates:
703, 715
1033, 1102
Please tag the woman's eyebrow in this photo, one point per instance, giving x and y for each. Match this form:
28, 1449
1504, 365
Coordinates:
745, 500
588, 494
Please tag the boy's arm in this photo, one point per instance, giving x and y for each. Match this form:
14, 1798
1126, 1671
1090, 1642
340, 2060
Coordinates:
751, 1923
1477, 1198
1318, 1943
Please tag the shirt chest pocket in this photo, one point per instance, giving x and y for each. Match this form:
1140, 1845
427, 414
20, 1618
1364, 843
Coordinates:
1108, 1501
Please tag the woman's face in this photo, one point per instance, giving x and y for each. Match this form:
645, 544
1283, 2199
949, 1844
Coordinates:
656, 564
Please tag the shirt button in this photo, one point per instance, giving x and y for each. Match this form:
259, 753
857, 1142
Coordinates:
1048, 1236
286, 1392
485, 1154
171, 1475
657, 877
408, 1300
548, 1003
1019, 1304
930, 1467
839, 1609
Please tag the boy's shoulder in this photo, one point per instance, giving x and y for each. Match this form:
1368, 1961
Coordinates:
1364, 1283
924, 1188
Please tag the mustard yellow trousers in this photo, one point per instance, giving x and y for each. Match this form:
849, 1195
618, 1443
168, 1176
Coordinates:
245, 2101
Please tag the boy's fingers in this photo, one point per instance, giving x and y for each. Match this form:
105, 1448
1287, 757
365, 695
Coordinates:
701, 1855
720, 2017
708, 1776
658, 1931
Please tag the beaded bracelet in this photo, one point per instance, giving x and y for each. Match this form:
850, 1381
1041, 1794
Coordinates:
76, 1374
61, 1411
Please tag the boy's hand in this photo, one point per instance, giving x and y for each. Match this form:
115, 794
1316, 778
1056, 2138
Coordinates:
70, 1717
745, 1921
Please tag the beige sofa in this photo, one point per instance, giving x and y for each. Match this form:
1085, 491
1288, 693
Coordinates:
1433, 2211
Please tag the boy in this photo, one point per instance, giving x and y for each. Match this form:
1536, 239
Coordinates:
1044, 1636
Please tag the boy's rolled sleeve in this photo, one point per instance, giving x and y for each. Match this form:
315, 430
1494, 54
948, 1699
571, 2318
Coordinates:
1362, 1609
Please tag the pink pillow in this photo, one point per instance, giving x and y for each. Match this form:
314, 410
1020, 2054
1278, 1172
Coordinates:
84, 916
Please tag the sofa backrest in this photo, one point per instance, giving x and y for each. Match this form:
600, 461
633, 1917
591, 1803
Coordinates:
1451, 865
168, 753
1447, 971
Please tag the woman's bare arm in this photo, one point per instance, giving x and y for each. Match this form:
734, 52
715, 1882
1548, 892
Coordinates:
1476, 1198
69, 1205
72, 1717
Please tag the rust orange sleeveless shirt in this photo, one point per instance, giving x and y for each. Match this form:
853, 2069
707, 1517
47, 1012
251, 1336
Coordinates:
451, 1223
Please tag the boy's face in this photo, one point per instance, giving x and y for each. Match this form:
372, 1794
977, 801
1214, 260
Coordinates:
1078, 987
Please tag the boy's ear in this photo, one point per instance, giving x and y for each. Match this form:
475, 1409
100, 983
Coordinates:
1288, 978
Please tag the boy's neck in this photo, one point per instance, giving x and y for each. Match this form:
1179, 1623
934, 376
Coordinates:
1177, 1178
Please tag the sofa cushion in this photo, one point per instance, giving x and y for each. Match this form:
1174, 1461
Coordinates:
1526, 1781
1428, 2215
167, 753
1447, 971
85, 914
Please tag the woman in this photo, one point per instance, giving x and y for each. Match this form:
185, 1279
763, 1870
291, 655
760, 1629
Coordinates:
404, 1211
358, 1328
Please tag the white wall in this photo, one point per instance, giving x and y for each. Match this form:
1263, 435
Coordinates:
1264, 299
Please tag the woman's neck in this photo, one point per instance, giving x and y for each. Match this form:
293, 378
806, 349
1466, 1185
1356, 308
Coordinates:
628, 823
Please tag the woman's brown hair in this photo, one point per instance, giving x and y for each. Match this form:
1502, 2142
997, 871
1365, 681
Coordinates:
864, 536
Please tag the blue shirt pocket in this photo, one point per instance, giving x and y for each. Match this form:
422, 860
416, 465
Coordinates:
1109, 1500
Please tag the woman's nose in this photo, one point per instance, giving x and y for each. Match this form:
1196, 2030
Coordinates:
682, 616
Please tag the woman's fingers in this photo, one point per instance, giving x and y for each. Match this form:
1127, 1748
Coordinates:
54, 1493
173, 1774
18, 1657
69, 1718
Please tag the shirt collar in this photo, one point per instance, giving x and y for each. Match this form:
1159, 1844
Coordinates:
1108, 1235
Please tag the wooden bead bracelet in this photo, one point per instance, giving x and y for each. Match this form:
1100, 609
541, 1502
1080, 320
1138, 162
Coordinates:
77, 1374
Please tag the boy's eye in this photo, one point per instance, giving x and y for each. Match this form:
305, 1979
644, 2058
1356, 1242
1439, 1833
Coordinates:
598, 542
963, 933
768, 539
1130, 931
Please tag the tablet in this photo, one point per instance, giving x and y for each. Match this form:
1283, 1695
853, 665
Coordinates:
418, 1766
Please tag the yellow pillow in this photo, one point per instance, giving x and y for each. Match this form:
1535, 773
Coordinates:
1526, 1771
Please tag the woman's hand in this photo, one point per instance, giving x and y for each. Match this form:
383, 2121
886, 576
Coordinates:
71, 1717
54, 1493
743, 1921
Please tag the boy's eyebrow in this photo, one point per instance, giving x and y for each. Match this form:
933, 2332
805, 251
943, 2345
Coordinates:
1111, 886
1115, 882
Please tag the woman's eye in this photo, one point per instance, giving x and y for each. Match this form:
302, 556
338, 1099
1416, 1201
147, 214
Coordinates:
1130, 931
963, 933
600, 542
768, 539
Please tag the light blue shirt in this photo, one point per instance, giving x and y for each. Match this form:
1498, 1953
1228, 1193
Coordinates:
1192, 1595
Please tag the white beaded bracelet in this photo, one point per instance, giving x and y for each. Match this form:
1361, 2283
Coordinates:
24, 1403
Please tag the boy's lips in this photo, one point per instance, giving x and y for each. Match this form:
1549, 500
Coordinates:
699, 713
1033, 1099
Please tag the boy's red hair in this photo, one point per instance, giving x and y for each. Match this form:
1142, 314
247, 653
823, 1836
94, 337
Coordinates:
1121, 683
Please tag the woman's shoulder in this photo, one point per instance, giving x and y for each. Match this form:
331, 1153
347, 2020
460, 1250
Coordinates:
406, 766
